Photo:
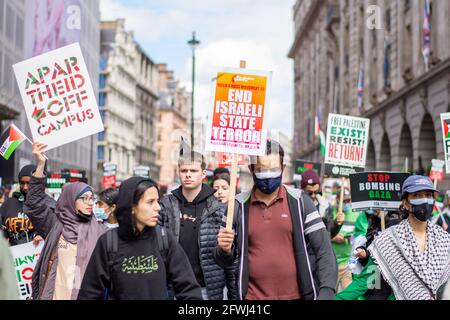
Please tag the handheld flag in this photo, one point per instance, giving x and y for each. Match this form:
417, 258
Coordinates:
318, 132
10, 141
426, 32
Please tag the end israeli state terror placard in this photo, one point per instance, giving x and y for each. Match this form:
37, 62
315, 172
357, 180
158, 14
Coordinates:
346, 147
376, 190
58, 96
239, 112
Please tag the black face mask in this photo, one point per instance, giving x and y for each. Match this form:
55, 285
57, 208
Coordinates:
424, 210
84, 217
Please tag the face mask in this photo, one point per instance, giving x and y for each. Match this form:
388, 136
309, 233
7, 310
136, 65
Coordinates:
422, 208
100, 213
267, 182
370, 211
346, 207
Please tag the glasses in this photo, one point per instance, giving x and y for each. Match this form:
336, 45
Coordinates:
314, 192
86, 200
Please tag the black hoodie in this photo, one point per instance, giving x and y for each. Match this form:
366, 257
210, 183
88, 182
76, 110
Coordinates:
139, 271
191, 213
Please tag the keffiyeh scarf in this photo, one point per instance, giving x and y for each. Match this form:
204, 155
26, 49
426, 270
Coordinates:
413, 275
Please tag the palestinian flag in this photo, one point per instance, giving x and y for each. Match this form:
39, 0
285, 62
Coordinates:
318, 132
446, 126
10, 140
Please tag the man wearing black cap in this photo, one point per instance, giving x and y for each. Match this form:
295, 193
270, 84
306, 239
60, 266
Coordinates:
310, 184
18, 228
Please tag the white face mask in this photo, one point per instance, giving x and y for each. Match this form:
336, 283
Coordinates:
267, 174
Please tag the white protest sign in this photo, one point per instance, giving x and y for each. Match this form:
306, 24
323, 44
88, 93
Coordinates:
58, 96
347, 140
25, 258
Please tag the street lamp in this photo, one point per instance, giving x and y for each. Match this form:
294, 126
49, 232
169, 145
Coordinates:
194, 44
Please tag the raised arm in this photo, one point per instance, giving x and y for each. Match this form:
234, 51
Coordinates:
35, 207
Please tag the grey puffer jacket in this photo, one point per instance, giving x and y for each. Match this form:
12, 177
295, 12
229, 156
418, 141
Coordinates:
212, 219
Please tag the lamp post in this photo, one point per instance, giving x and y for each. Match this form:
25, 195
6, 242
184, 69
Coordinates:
193, 43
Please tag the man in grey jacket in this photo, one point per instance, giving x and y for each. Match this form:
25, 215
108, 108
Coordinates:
280, 247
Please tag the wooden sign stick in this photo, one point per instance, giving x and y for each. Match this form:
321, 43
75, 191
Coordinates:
233, 178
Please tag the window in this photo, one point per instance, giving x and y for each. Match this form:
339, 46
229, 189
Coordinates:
100, 153
2, 14
19, 32
9, 27
101, 136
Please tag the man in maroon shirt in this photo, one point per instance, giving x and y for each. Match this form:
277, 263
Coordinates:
281, 249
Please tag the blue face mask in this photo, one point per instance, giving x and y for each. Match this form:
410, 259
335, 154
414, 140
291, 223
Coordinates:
100, 213
346, 207
370, 211
267, 182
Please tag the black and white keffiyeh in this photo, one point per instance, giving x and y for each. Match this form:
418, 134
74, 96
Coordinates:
411, 274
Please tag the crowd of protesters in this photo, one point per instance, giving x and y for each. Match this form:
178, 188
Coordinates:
285, 243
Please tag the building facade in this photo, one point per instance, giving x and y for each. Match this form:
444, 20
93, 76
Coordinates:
79, 154
338, 43
172, 124
147, 86
117, 144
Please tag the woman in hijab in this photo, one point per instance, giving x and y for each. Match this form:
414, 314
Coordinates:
131, 262
70, 233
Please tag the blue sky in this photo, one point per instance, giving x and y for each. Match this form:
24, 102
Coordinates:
260, 32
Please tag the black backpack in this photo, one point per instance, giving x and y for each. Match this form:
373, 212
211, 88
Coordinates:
112, 245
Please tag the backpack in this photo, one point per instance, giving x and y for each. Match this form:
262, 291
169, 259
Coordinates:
112, 245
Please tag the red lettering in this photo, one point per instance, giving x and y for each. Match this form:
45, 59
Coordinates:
27, 273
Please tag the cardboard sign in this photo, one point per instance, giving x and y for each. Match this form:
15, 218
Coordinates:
376, 190
347, 140
445, 122
58, 97
437, 170
239, 112
109, 179
143, 171
303, 165
226, 159
25, 258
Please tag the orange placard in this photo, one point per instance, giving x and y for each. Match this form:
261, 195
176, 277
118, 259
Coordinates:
239, 109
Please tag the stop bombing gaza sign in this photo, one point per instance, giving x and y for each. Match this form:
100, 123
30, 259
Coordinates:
376, 190
238, 113
346, 144
58, 97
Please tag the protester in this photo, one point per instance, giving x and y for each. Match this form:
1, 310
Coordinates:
444, 218
412, 256
106, 206
8, 282
282, 249
69, 230
2, 197
221, 184
194, 215
137, 268
341, 243
16, 224
310, 184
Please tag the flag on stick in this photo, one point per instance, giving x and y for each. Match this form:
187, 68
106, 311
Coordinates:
10, 140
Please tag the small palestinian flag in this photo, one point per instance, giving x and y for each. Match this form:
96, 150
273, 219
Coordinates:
446, 127
10, 140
